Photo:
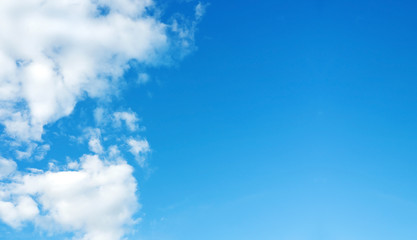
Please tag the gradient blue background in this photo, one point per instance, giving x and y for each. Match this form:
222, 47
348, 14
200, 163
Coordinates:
293, 120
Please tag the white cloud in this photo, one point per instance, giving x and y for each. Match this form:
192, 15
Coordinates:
14, 213
95, 145
97, 199
6, 167
139, 149
129, 118
23, 208
52, 53
93, 135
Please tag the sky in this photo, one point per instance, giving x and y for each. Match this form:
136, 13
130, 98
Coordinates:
184, 120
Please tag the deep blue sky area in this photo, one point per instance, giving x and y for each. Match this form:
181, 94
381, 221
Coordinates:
291, 120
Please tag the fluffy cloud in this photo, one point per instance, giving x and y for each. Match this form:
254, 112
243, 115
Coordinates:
53, 53
24, 208
97, 198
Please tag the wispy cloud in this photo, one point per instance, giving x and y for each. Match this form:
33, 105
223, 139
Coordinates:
139, 148
7, 167
129, 118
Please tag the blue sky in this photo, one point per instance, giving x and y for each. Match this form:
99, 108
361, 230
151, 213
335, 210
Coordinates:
291, 120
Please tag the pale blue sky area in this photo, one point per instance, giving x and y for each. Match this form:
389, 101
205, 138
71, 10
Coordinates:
292, 120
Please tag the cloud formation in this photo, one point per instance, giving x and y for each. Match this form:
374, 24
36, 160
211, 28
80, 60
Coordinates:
53, 53
95, 197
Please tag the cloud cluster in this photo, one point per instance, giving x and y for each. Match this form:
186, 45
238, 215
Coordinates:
94, 197
53, 53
